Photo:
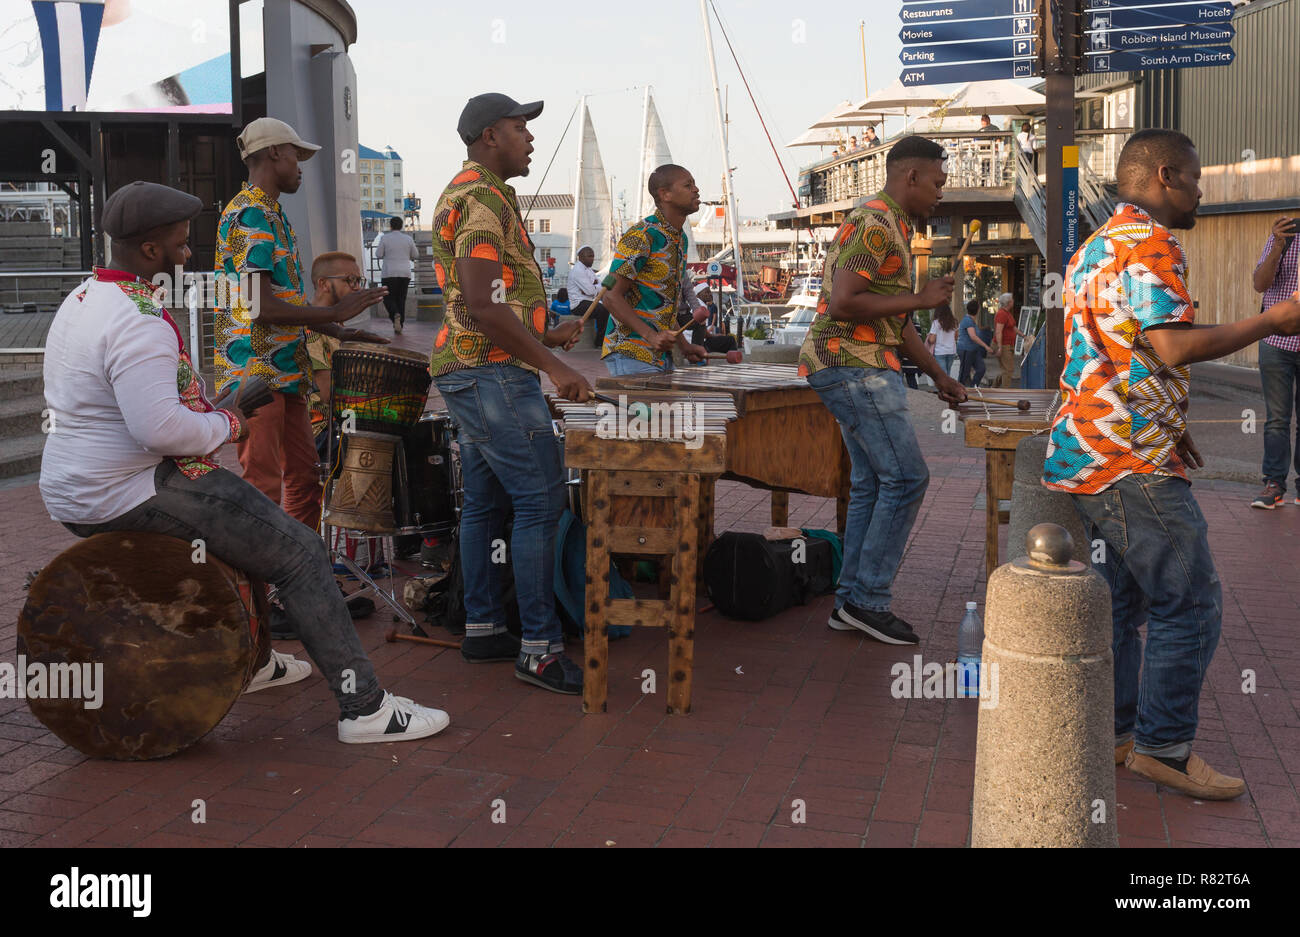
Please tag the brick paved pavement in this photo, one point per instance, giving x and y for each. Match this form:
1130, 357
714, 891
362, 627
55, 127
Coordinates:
784, 709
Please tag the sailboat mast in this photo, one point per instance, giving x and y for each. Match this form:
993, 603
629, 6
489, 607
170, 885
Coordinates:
577, 185
727, 185
641, 180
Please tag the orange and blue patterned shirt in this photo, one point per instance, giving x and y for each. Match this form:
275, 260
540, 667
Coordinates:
875, 242
478, 217
1125, 410
652, 254
255, 237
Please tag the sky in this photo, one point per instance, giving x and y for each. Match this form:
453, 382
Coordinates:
418, 62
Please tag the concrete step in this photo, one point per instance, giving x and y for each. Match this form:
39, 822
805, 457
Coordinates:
21, 416
21, 455
18, 384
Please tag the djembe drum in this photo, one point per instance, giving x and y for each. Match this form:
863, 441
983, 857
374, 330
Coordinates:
179, 640
379, 396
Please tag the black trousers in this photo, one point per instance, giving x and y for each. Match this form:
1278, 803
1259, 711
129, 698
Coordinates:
601, 317
395, 301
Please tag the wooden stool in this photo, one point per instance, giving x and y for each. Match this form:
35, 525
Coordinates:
643, 499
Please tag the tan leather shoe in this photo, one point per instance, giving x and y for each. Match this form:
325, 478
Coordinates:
1121, 752
1200, 780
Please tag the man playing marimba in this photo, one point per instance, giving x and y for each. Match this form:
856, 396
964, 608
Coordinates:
133, 449
265, 337
486, 360
1121, 448
645, 281
851, 358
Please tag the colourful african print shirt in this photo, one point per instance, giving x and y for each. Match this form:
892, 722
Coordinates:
478, 217
320, 349
189, 385
874, 242
1125, 410
254, 236
652, 254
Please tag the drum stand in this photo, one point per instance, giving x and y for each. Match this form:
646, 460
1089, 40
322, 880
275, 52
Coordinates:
368, 583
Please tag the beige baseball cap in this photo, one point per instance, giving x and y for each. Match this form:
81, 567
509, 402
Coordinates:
267, 131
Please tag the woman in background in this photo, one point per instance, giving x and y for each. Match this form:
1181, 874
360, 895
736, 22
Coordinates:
942, 340
971, 348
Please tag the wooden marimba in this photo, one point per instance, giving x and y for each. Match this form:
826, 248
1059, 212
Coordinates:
644, 490
783, 440
996, 425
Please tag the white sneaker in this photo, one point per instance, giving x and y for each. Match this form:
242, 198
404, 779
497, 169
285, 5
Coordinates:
280, 670
397, 720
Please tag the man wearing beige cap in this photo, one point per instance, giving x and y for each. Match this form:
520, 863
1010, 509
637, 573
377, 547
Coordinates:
259, 331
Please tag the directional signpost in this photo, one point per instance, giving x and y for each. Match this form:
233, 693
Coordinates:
1128, 35
969, 40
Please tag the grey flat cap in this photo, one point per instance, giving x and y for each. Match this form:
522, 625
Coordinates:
484, 110
141, 207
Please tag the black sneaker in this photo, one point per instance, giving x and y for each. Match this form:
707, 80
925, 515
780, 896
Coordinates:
489, 648
1270, 498
883, 626
282, 629
553, 672
360, 607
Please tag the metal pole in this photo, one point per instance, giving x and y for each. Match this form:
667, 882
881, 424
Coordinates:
641, 180
727, 182
862, 34
1061, 20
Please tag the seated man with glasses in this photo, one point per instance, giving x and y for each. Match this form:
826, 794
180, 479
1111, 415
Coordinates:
333, 275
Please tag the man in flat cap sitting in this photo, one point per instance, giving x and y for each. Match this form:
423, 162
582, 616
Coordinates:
259, 332
134, 450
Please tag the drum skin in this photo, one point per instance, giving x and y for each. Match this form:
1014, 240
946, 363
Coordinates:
176, 639
383, 388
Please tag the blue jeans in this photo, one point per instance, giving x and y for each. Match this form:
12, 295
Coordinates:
972, 367
1279, 372
622, 366
945, 362
888, 481
1161, 573
510, 457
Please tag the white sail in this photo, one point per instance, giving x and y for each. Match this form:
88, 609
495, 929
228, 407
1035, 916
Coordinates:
654, 153
593, 207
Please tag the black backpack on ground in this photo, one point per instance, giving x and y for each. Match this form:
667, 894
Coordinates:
752, 578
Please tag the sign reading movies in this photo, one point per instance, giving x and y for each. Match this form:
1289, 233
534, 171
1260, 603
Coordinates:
968, 40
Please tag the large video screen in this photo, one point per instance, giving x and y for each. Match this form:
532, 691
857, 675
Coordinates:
116, 56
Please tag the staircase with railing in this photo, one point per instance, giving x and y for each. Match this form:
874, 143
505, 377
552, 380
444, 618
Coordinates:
1031, 200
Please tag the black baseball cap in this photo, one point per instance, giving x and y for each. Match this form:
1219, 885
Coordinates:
484, 110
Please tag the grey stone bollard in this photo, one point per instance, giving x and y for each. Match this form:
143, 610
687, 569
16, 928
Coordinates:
1044, 759
1032, 504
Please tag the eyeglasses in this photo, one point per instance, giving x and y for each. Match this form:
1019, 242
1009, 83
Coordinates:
352, 281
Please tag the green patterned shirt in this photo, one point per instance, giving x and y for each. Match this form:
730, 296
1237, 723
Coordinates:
875, 243
254, 236
653, 255
478, 217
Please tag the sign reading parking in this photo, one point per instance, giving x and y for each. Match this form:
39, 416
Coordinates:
969, 40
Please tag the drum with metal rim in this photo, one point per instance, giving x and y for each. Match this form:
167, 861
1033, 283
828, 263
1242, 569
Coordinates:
381, 389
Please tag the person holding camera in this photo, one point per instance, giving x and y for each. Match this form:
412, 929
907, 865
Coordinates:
1279, 364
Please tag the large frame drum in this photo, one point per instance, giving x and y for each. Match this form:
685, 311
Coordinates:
179, 640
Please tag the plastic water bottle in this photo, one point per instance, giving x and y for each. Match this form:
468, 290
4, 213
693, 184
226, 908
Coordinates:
970, 644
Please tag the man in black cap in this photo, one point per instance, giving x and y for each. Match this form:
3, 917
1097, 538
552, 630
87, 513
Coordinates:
486, 360
122, 389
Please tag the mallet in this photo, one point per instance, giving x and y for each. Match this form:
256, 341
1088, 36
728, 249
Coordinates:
698, 317
975, 226
731, 357
990, 402
392, 637
592, 308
